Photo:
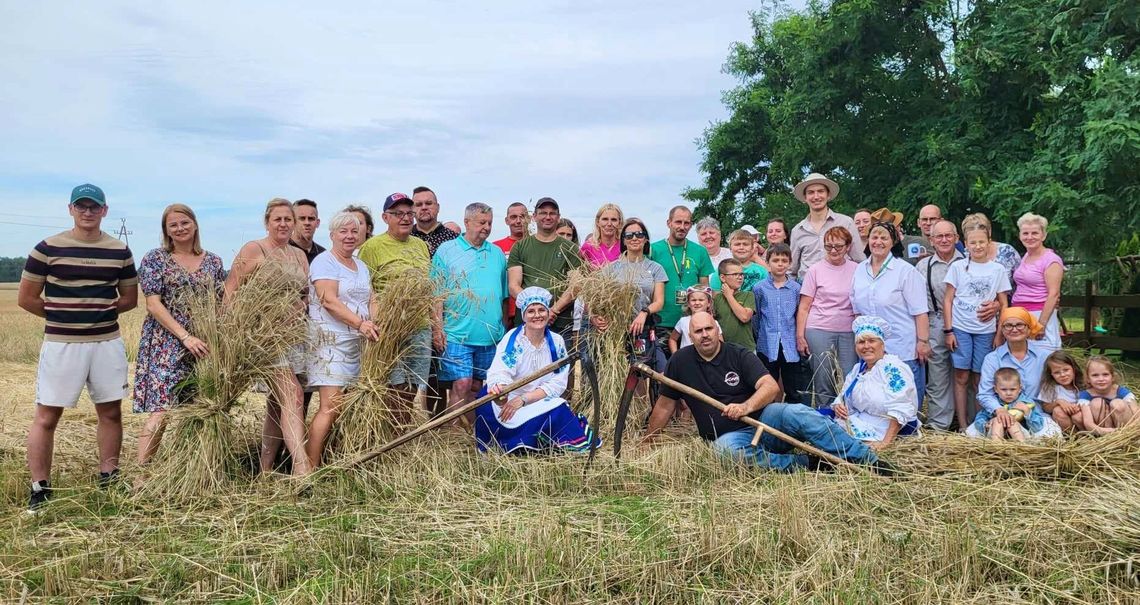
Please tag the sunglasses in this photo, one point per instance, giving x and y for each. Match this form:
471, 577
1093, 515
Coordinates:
635, 235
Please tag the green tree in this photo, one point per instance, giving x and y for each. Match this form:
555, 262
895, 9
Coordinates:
993, 106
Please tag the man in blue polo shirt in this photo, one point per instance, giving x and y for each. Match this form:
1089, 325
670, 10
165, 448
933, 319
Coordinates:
475, 272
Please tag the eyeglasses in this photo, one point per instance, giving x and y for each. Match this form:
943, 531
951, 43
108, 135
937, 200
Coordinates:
1014, 326
942, 236
733, 274
400, 214
834, 247
87, 208
635, 235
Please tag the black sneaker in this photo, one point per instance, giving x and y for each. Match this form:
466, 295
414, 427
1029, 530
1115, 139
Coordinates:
108, 478
817, 464
884, 468
40, 493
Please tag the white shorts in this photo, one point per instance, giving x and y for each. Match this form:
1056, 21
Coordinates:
335, 360
66, 367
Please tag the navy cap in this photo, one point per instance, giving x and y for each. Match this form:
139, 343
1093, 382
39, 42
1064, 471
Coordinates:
396, 198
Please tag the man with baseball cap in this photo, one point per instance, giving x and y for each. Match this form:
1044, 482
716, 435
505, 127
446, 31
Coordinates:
806, 238
545, 260
79, 281
395, 255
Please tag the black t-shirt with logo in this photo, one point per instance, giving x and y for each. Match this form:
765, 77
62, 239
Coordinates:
730, 377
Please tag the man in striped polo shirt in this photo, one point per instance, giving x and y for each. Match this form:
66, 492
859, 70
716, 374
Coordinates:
79, 281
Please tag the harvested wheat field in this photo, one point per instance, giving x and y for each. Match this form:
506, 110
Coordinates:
433, 521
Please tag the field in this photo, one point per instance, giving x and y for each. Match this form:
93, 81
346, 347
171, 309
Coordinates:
435, 522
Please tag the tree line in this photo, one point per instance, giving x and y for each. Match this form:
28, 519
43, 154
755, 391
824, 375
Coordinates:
995, 106
11, 268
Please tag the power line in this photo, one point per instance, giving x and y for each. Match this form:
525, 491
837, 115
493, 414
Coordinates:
33, 225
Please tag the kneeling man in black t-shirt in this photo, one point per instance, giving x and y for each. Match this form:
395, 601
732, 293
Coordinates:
734, 376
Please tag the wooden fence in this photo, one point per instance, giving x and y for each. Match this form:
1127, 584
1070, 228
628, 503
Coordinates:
1090, 302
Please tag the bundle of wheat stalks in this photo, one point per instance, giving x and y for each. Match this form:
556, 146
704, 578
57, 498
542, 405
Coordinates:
605, 295
246, 338
372, 411
937, 454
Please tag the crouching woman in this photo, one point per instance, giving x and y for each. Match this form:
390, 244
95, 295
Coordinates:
534, 417
878, 402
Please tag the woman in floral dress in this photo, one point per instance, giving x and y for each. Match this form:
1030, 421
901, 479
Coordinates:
167, 349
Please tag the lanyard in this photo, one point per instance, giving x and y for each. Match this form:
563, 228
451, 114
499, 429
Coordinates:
684, 257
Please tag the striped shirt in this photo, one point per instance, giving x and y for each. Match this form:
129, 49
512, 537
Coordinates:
776, 311
81, 285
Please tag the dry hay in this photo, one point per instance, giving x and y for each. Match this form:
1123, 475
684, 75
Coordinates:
605, 295
246, 338
1081, 456
373, 411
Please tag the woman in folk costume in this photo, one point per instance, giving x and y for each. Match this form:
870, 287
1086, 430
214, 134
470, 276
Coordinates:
534, 417
878, 401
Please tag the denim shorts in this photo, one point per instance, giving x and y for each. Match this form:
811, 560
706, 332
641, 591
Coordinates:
415, 361
972, 350
465, 361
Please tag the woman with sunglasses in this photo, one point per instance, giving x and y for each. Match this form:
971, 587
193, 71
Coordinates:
634, 267
889, 287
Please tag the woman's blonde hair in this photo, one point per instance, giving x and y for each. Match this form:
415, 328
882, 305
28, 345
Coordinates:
278, 202
167, 241
1030, 218
597, 234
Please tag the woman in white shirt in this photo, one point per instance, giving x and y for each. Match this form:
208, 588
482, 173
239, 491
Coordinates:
878, 402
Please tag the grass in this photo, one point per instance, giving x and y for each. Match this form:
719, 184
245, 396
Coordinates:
435, 522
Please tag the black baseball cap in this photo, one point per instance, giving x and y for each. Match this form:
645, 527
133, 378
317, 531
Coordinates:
546, 201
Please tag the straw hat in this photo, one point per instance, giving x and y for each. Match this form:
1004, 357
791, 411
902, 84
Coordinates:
883, 215
816, 178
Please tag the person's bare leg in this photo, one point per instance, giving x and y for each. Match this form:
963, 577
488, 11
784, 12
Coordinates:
1120, 412
996, 430
319, 429
1016, 433
961, 385
270, 434
151, 436
41, 441
109, 434
289, 397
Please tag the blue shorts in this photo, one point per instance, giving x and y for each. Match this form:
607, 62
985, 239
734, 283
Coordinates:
972, 350
465, 361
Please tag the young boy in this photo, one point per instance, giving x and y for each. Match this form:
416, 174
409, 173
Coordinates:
776, 299
743, 247
1026, 416
733, 306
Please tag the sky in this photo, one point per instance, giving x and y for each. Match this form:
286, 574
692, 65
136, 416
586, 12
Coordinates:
223, 106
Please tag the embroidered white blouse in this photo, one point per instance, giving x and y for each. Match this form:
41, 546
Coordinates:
885, 391
522, 360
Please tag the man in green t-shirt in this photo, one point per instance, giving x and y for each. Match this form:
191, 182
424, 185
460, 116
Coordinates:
545, 260
391, 256
686, 264
734, 306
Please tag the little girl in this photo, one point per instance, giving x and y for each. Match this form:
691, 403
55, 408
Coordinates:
1105, 405
969, 285
1061, 382
697, 298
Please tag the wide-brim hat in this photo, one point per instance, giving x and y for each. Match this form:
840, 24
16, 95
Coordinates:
816, 178
885, 215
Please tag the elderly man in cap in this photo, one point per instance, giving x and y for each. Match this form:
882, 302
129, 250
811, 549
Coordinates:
395, 255
918, 247
806, 238
90, 280
734, 376
545, 260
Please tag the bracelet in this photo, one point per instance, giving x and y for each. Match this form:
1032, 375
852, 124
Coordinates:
184, 337
947, 331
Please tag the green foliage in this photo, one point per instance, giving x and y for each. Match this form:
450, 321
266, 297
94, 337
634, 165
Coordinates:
11, 268
998, 106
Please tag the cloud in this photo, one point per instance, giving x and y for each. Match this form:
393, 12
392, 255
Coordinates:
224, 106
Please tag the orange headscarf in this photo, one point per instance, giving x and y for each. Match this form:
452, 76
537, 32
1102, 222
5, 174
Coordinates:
1035, 328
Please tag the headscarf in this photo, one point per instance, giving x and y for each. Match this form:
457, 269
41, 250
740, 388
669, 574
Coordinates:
872, 325
1035, 328
533, 295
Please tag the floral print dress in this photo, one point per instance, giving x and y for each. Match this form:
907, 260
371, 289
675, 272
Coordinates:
162, 360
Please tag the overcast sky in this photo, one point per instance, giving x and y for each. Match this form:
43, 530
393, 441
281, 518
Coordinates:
224, 105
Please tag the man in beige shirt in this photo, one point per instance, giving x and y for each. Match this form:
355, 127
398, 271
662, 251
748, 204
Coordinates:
806, 238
